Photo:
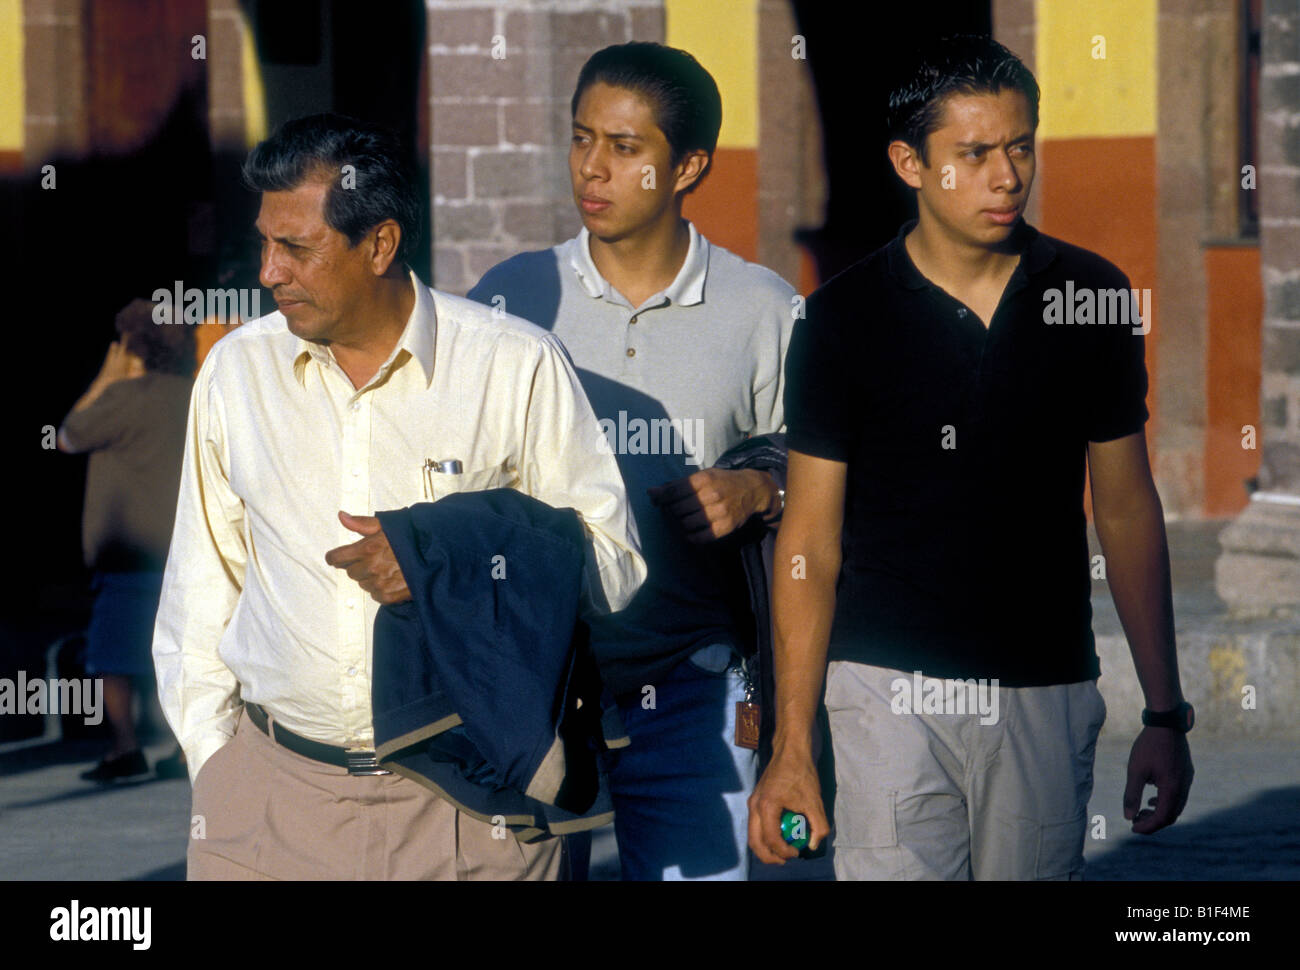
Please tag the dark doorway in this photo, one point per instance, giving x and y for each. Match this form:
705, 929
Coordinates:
365, 60
854, 52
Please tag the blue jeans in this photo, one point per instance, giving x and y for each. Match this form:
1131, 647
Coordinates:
681, 787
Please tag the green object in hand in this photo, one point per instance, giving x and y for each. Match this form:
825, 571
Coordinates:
794, 829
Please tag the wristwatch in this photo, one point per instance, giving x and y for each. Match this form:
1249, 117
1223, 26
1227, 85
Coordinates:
1181, 718
773, 516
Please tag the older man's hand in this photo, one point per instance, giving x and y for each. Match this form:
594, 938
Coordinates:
370, 561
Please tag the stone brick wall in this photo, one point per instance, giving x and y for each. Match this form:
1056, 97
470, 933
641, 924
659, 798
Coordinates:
791, 171
1259, 570
1279, 187
225, 82
500, 78
1196, 171
55, 74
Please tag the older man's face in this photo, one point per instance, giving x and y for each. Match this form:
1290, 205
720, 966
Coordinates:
319, 282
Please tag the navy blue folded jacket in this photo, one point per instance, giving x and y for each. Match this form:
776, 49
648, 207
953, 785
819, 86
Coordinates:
484, 688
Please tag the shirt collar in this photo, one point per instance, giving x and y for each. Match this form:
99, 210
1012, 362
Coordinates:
1036, 254
686, 289
417, 340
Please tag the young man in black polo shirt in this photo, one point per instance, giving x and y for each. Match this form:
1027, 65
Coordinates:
943, 398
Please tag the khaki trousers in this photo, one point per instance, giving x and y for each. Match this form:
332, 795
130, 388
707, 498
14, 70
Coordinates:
926, 795
263, 812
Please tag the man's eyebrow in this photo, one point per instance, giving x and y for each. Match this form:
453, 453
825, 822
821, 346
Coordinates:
1028, 136
623, 135
287, 240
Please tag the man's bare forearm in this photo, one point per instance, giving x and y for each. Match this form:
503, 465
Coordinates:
803, 608
1137, 570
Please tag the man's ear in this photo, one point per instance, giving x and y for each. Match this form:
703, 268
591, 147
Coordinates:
906, 162
691, 169
385, 242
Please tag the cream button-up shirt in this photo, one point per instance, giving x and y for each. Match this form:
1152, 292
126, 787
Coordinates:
279, 441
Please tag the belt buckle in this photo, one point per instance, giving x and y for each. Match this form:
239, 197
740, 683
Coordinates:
364, 763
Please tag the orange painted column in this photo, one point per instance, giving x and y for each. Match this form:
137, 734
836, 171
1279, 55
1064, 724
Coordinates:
1096, 66
1235, 298
723, 36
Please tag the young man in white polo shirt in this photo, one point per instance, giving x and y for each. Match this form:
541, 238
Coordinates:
679, 345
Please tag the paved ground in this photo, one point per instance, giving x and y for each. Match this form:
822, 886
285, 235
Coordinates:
1243, 820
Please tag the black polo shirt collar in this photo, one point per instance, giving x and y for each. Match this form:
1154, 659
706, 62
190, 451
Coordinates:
1036, 254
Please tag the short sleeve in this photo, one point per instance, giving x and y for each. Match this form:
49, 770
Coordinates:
1116, 387
102, 423
771, 344
817, 388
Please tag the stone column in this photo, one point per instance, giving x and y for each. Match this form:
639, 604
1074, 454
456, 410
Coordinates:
226, 120
1258, 572
54, 119
791, 170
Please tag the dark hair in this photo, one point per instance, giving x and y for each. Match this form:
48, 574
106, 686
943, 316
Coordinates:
682, 94
960, 64
320, 145
164, 349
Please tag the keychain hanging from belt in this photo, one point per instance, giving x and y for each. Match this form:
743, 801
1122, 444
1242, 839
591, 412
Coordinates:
747, 711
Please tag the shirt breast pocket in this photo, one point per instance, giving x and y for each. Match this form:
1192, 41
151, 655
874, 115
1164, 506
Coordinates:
439, 484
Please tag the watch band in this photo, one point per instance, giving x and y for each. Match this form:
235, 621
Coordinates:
1181, 718
775, 516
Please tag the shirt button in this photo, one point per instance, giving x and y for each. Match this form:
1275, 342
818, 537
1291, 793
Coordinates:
354, 406
631, 351
962, 312
633, 320
352, 604
356, 472
352, 671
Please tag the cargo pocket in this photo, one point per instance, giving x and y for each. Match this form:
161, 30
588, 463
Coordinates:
1060, 849
865, 820
866, 837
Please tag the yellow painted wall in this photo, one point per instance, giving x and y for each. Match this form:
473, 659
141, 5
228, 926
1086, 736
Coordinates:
254, 95
12, 88
723, 36
1085, 96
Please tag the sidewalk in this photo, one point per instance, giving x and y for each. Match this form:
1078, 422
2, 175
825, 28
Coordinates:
1242, 822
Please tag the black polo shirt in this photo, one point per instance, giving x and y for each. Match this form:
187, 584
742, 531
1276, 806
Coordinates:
965, 547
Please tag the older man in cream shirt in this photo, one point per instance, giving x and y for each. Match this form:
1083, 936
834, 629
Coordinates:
334, 405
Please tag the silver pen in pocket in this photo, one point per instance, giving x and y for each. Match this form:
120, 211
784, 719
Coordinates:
448, 466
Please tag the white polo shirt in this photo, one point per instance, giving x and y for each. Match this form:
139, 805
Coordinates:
676, 382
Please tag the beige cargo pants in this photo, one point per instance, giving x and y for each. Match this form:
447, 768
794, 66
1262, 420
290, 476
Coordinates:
926, 792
